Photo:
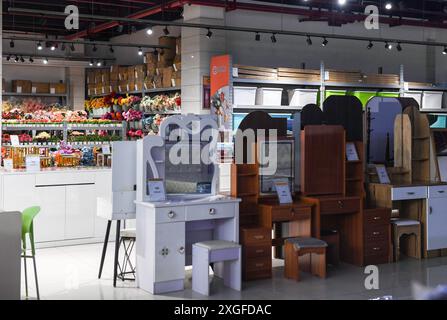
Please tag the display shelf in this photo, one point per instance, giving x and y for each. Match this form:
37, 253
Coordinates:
56, 145
15, 94
277, 82
279, 109
24, 127
162, 113
137, 92
95, 127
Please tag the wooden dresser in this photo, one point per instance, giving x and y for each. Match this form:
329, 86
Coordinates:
256, 252
377, 235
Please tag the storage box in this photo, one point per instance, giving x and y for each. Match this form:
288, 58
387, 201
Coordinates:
138, 84
131, 73
123, 73
58, 88
416, 95
176, 82
149, 83
40, 87
140, 72
91, 89
105, 76
21, 86
302, 97
168, 54
98, 76
432, 100
91, 77
158, 81
177, 66
150, 59
123, 86
170, 42
164, 61
269, 96
167, 76
244, 96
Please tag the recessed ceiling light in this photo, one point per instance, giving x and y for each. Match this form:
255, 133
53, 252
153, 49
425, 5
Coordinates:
149, 31
389, 5
39, 46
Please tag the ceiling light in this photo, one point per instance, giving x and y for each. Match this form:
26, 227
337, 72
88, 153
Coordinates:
12, 44
53, 47
45, 61
16, 59
72, 47
166, 31
140, 52
257, 36
388, 46
95, 48
273, 38
21, 59
445, 50
39, 46
209, 34
98, 64
309, 41
111, 49
31, 59
342, 2
149, 31
370, 45
91, 63
389, 5
399, 47
325, 42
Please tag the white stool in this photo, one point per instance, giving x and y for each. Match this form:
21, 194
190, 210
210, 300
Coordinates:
218, 251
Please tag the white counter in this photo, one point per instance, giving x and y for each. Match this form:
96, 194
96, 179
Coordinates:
68, 200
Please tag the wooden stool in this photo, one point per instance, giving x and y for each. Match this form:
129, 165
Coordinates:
412, 228
216, 251
308, 254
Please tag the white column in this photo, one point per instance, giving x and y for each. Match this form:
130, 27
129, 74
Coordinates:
197, 51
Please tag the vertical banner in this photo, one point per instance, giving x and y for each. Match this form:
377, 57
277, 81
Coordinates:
221, 94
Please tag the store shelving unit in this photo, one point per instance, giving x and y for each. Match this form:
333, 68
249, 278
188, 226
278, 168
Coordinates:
141, 92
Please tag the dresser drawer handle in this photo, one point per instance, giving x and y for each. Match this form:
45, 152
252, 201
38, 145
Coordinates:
259, 265
181, 250
377, 218
259, 237
376, 249
441, 191
171, 215
410, 193
376, 233
212, 212
340, 204
260, 251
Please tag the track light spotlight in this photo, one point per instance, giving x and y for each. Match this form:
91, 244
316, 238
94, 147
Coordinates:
16, 59
140, 51
39, 46
63, 47
21, 59
72, 47
53, 47
389, 5
111, 49
95, 48
209, 34
257, 36
99, 63
91, 63
370, 45
309, 41
325, 42
149, 31
388, 46
12, 44
166, 31
8, 58
31, 59
120, 28
445, 51
399, 47
45, 61
273, 38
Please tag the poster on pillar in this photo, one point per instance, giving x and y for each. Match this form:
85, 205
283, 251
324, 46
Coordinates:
221, 95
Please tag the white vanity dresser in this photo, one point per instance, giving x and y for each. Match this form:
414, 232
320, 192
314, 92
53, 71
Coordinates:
193, 212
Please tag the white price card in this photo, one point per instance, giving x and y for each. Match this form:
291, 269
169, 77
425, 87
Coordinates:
283, 191
15, 142
351, 152
105, 149
383, 174
8, 164
33, 163
156, 190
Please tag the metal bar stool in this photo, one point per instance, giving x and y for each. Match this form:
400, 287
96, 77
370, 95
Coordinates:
127, 269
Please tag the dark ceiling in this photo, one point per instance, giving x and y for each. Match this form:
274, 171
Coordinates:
430, 13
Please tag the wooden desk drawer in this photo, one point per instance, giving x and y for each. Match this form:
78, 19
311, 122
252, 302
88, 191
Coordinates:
376, 248
377, 233
258, 264
376, 217
408, 193
256, 236
339, 206
290, 213
208, 212
437, 192
261, 251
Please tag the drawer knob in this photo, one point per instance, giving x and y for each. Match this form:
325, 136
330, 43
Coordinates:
376, 218
376, 233
410, 193
259, 237
376, 249
171, 214
259, 265
181, 250
212, 211
340, 204
260, 251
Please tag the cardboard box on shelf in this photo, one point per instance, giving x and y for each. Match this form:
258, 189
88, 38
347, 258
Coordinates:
21, 86
114, 73
91, 89
149, 83
98, 76
177, 66
131, 85
167, 76
178, 46
169, 42
114, 86
123, 86
123, 73
176, 82
163, 62
4, 85
131, 73
58, 88
158, 81
151, 71
91, 77
139, 84
105, 76
99, 89
40, 87
140, 71
167, 54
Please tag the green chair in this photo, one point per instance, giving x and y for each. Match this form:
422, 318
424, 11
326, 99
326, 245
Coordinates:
28, 216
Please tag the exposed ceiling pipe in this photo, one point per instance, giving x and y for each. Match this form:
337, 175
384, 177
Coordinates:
148, 22
138, 15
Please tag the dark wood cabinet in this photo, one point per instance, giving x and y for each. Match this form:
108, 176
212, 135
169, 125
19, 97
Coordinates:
377, 235
256, 252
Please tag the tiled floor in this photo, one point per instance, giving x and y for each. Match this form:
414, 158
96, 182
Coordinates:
71, 273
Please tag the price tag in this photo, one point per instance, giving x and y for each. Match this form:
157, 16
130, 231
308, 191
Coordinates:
33, 163
19, 89
327, 76
235, 72
106, 149
156, 190
8, 164
34, 90
15, 142
406, 86
283, 191
53, 90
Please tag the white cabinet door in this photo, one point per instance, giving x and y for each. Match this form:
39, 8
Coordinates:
437, 223
49, 225
19, 192
169, 251
80, 212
